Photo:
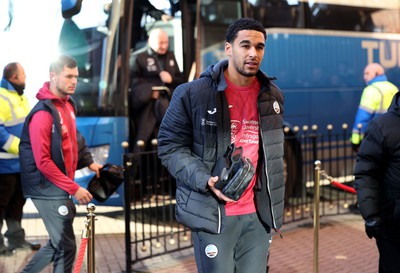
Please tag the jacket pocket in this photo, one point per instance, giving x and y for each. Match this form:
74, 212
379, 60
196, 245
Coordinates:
199, 212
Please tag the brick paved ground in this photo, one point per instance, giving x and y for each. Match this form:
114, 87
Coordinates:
343, 247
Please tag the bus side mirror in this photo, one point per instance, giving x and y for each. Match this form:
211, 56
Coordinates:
70, 8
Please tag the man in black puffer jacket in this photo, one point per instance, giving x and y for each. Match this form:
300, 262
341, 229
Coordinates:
377, 181
232, 102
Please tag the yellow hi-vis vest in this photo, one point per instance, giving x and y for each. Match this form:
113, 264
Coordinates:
375, 100
13, 110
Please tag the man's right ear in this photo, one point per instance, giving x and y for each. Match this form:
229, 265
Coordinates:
52, 77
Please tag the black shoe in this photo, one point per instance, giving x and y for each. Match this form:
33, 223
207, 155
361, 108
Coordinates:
6, 253
25, 246
35, 246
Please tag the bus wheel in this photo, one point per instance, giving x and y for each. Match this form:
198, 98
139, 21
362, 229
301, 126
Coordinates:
293, 171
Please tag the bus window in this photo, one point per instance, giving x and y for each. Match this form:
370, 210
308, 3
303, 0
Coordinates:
277, 13
386, 20
214, 20
366, 16
323, 16
216, 11
363, 15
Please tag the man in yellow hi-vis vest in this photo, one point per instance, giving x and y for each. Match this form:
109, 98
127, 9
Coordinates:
14, 107
375, 100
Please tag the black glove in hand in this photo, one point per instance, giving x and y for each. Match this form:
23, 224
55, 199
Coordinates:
372, 227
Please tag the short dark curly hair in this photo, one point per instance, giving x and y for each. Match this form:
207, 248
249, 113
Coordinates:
244, 24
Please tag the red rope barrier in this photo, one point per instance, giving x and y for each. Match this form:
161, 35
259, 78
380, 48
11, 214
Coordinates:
337, 184
343, 187
81, 254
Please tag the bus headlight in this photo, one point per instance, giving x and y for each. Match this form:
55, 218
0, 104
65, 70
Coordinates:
99, 154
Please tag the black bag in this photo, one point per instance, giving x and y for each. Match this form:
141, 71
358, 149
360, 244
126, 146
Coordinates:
111, 177
234, 171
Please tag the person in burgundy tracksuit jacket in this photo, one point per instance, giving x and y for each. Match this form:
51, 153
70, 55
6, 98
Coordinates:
51, 150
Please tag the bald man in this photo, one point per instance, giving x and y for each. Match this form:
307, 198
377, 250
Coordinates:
14, 107
375, 100
152, 68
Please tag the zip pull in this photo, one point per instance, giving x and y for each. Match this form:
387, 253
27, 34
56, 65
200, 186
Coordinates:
279, 232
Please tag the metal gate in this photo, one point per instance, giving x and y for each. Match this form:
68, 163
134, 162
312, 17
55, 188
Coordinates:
151, 228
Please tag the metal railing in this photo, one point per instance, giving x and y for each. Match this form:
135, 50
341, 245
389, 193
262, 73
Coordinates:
151, 228
87, 242
334, 151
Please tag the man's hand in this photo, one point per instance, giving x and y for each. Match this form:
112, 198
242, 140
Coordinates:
95, 167
165, 77
155, 94
211, 185
372, 227
83, 196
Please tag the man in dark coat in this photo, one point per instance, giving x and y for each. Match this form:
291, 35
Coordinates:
232, 102
155, 74
377, 181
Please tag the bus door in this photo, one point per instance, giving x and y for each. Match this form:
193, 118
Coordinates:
93, 32
212, 21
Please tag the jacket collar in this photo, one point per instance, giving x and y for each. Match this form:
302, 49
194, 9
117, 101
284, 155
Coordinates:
7, 85
380, 78
216, 72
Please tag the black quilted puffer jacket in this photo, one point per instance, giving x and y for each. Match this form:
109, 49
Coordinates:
377, 169
196, 121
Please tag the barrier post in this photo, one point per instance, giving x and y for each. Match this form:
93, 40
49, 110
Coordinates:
316, 212
127, 210
90, 229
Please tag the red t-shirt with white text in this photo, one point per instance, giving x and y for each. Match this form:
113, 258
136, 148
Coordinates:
242, 101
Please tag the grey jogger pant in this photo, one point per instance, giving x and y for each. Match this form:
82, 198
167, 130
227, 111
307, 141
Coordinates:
58, 217
242, 247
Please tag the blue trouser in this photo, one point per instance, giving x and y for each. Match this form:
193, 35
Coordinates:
242, 247
58, 217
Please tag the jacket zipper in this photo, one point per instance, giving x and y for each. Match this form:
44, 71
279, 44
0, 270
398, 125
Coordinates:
266, 175
63, 107
219, 220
